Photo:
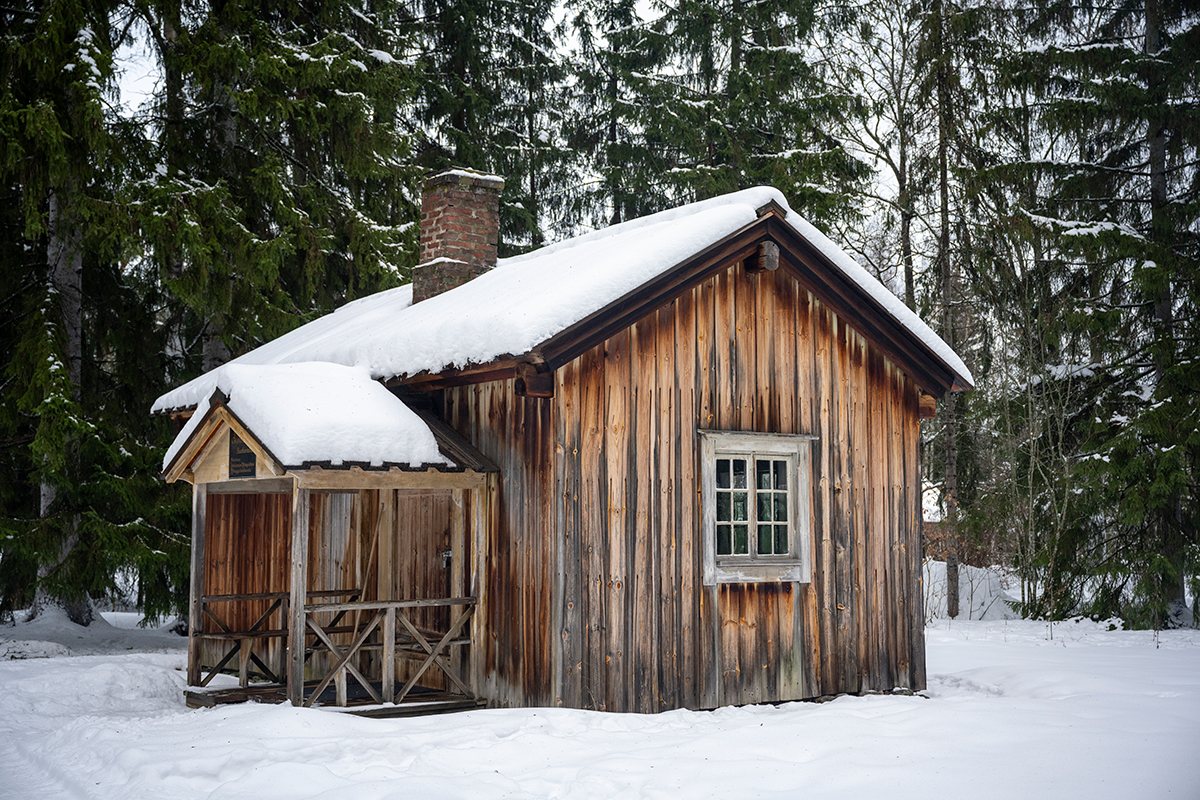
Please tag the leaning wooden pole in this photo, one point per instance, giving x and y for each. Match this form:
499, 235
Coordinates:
299, 596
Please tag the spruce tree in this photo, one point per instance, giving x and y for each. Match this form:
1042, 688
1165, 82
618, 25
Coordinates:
80, 512
277, 184
625, 157
750, 107
528, 146
1120, 204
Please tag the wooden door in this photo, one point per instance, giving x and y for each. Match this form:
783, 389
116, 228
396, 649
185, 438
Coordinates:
419, 565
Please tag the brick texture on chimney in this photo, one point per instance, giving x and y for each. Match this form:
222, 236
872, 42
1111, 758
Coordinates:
460, 226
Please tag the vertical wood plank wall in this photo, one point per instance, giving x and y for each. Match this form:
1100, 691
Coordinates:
415, 568
596, 599
514, 658
248, 544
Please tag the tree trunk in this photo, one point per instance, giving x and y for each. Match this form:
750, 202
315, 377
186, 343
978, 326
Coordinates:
614, 183
1164, 311
950, 433
734, 89
904, 198
64, 256
536, 238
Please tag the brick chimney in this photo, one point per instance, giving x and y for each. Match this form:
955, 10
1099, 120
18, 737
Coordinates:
460, 226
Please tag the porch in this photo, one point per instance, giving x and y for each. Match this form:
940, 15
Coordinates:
380, 635
335, 586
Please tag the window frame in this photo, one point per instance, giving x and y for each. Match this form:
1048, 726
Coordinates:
796, 448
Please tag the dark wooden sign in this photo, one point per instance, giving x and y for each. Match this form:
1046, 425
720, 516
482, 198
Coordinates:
241, 458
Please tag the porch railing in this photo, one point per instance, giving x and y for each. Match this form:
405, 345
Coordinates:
244, 641
398, 639
408, 642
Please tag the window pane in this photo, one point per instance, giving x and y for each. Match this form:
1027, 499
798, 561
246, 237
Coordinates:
781, 539
741, 536
762, 473
741, 511
722, 473
781, 504
765, 540
724, 540
781, 475
739, 473
764, 506
723, 507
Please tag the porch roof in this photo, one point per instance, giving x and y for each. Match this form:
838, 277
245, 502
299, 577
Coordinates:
327, 415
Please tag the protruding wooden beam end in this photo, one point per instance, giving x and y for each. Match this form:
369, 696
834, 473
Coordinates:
772, 207
531, 383
928, 406
766, 259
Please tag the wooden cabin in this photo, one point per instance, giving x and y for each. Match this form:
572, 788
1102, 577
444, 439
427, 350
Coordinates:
676, 466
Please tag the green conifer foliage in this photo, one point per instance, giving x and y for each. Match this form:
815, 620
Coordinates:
748, 105
624, 157
277, 186
1111, 206
81, 512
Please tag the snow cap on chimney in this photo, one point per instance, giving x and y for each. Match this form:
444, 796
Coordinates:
460, 227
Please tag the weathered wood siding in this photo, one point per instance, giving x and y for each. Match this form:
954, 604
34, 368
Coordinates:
411, 565
247, 550
596, 597
514, 657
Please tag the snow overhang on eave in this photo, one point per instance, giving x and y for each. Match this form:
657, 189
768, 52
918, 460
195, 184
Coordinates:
804, 260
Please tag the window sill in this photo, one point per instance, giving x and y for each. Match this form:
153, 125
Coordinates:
778, 572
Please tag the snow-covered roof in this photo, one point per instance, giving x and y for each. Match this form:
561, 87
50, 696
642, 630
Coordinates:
524, 301
314, 412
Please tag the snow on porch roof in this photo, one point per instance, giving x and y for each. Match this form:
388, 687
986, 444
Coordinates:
526, 300
320, 413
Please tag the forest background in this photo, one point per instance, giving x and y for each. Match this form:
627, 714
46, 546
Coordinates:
1025, 176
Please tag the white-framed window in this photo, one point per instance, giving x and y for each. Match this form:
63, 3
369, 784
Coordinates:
756, 506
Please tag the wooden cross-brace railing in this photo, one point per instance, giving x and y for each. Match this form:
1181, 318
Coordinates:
414, 643
243, 646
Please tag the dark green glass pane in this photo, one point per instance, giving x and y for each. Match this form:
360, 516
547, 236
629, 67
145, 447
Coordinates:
781, 475
765, 540
722, 473
741, 512
723, 506
724, 540
739, 473
762, 474
781, 539
741, 543
781, 505
764, 507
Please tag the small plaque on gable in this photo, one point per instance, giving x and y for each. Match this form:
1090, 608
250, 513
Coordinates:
241, 458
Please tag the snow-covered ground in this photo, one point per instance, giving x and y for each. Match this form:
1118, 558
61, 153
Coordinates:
1015, 709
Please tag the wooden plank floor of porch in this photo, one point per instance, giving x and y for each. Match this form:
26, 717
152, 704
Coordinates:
421, 701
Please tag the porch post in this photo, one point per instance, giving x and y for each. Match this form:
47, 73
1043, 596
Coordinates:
299, 596
483, 508
195, 606
457, 566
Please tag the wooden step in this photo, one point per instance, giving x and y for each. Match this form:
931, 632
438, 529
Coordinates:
420, 702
